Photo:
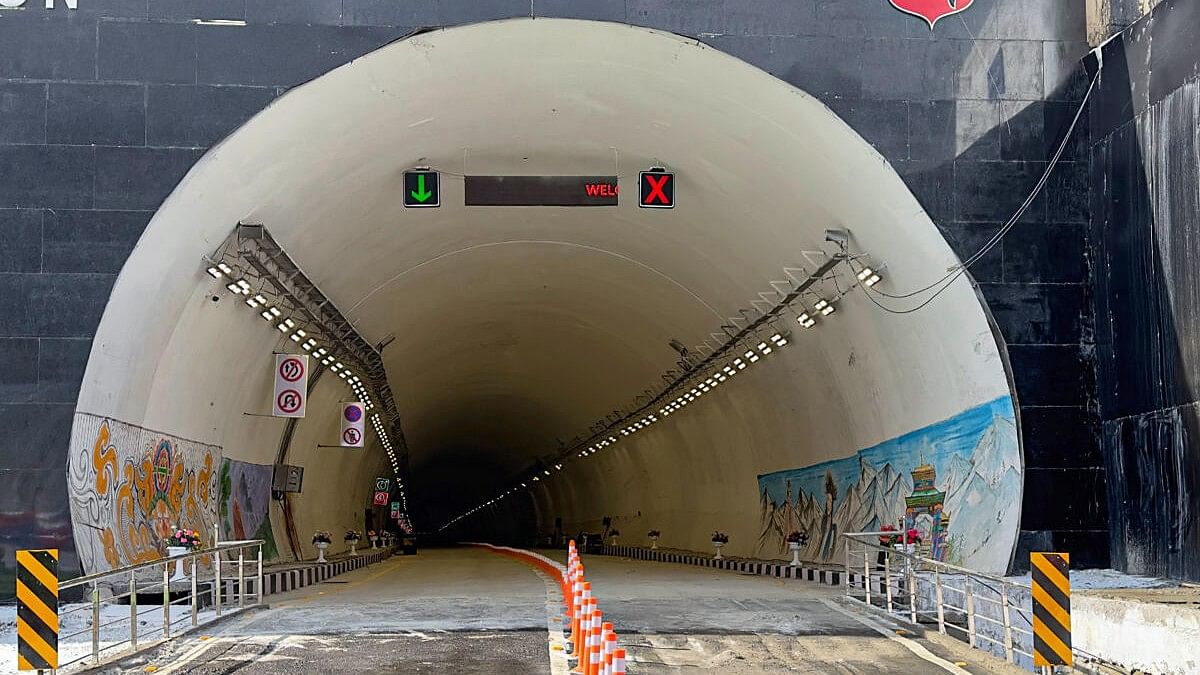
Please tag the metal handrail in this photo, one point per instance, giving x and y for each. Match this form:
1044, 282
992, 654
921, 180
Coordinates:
892, 587
128, 576
223, 546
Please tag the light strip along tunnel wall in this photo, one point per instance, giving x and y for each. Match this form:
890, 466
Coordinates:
517, 327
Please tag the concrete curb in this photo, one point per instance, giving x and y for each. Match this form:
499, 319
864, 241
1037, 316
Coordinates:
779, 570
283, 581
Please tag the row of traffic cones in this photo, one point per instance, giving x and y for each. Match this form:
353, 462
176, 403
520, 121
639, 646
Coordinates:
592, 641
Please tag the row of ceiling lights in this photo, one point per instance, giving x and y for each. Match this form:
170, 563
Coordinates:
284, 323
824, 307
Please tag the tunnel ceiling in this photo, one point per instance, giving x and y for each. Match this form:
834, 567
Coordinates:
516, 328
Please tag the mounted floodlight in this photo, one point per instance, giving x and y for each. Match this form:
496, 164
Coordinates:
868, 277
837, 236
233, 288
214, 272
267, 315
824, 307
805, 320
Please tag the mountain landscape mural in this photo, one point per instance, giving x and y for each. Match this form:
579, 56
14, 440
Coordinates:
958, 481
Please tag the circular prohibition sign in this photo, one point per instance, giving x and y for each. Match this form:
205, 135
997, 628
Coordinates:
291, 369
352, 436
289, 401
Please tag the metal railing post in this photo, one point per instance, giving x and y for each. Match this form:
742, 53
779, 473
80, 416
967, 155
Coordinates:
259, 584
132, 611
195, 600
166, 600
1008, 636
96, 622
241, 586
887, 579
912, 589
847, 584
217, 582
867, 573
970, 592
941, 608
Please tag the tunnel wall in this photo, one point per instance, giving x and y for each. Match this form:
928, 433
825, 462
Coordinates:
1144, 156
107, 107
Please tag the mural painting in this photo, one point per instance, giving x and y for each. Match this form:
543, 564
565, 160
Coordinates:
246, 503
958, 482
129, 487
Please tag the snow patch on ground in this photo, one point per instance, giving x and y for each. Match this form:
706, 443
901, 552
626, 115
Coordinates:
1106, 579
75, 634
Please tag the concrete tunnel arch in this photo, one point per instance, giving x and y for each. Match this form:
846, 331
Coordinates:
517, 328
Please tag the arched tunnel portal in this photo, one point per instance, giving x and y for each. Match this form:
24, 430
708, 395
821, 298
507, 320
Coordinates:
518, 339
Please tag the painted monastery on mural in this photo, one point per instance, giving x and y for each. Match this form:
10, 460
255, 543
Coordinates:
965, 507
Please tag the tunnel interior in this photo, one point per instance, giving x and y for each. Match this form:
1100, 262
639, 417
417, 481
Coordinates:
517, 339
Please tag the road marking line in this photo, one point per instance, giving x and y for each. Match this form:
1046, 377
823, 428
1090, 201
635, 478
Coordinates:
911, 645
189, 656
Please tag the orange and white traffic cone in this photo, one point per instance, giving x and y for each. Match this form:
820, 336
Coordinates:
580, 640
618, 662
607, 650
594, 652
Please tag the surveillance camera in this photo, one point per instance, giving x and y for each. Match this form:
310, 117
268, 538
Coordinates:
216, 298
839, 237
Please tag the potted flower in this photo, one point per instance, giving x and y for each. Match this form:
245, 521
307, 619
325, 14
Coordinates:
374, 537
795, 541
321, 540
719, 539
653, 534
179, 543
912, 537
352, 537
614, 533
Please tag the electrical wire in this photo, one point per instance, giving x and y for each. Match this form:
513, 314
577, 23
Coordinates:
957, 271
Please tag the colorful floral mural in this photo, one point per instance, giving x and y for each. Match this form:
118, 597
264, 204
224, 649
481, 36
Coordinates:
246, 503
129, 487
958, 482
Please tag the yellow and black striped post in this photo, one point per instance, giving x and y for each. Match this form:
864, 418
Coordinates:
1051, 609
37, 610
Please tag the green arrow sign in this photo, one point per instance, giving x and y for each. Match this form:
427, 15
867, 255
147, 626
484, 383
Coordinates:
421, 194
422, 189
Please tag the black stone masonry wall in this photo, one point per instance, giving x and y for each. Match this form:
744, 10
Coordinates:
1145, 163
104, 108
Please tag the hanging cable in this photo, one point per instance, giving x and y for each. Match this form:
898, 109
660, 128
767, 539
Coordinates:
955, 272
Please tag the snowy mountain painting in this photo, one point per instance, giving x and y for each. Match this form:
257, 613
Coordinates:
974, 461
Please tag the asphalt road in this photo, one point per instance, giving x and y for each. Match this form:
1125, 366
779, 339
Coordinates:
472, 611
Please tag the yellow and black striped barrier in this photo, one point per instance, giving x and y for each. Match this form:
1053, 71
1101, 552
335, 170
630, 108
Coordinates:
1051, 609
37, 610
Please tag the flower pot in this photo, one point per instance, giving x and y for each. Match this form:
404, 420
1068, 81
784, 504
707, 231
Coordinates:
614, 541
795, 547
321, 546
718, 545
910, 549
353, 543
177, 552
653, 543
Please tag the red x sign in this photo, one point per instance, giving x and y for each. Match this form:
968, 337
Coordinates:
657, 190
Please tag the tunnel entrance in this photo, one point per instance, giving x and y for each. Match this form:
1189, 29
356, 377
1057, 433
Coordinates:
516, 339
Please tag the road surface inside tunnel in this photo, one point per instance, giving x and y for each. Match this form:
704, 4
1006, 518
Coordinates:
468, 610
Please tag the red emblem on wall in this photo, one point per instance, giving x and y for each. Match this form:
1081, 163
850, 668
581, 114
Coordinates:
932, 10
